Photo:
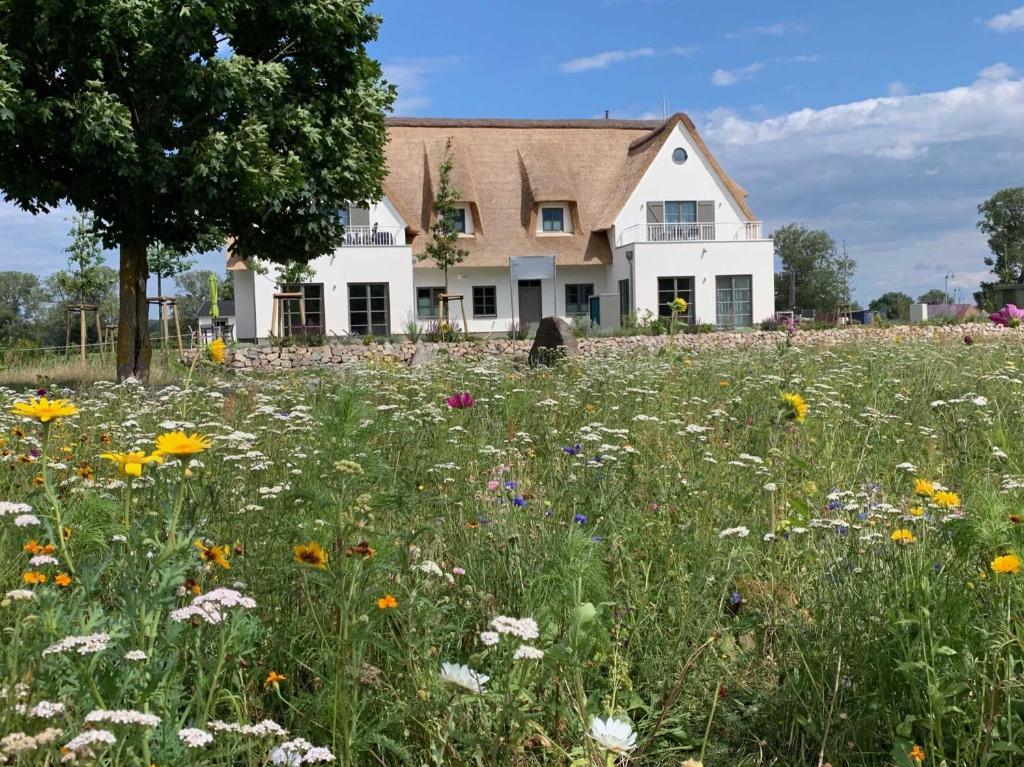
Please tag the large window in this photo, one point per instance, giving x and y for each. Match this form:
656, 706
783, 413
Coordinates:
680, 212
552, 219
671, 288
734, 307
485, 301
428, 303
304, 316
368, 309
577, 298
680, 220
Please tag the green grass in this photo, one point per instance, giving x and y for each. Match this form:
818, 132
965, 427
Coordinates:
809, 637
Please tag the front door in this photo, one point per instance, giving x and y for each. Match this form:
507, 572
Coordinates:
530, 306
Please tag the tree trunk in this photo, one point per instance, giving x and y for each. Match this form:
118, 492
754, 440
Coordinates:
792, 289
133, 349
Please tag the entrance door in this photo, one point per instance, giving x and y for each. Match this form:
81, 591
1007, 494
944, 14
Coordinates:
530, 303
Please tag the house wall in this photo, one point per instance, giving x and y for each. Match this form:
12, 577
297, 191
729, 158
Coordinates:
704, 261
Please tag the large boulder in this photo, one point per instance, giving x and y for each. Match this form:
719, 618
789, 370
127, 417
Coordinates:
422, 355
553, 341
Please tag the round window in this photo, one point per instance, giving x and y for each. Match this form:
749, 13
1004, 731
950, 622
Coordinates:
679, 155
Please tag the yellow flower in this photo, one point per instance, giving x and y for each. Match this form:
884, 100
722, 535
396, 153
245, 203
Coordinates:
33, 547
903, 536
33, 577
387, 602
924, 488
795, 407
217, 555
916, 511
45, 410
63, 580
1008, 564
218, 350
130, 464
310, 554
273, 678
946, 499
679, 305
177, 443
917, 754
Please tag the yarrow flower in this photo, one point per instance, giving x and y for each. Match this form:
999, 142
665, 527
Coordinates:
489, 638
1007, 564
193, 737
300, 751
88, 738
123, 716
44, 709
614, 735
738, 532
83, 645
210, 607
524, 628
464, 677
263, 729
527, 652
44, 410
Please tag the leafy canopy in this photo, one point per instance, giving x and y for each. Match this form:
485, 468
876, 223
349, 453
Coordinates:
814, 275
185, 122
894, 304
1002, 219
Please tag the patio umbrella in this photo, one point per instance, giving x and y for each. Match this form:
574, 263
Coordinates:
214, 308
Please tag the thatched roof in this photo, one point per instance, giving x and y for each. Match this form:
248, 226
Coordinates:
505, 167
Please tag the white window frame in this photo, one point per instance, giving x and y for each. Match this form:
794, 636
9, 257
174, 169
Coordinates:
566, 219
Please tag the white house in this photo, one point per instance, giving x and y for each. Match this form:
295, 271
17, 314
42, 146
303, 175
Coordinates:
636, 210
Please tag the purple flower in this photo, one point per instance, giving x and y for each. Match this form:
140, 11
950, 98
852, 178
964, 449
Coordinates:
573, 449
461, 400
580, 519
1009, 316
735, 597
510, 485
40, 392
519, 501
968, 339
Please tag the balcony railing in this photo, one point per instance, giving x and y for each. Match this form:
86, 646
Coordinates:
373, 236
691, 232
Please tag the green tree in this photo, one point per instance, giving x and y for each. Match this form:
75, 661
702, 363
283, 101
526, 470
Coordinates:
814, 274
935, 296
22, 304
894, 304
83, 282
195, 286
186, 122
1002, 219
165, 262
443, 247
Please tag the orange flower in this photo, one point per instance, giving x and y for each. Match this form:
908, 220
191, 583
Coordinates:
33, 577
273, 678
63, 580
217, 555
310, 554
917, 754
387, 602
34, 548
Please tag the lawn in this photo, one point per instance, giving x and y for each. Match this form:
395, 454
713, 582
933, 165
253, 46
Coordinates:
358, 567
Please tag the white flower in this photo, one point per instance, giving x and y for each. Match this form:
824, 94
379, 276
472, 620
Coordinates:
83, 645
19, 595
300, 751
263, 729
44, 709
135, 655
86, 738
524, 628
43, 559
489, 638
123, 716
464, 677
193, 737
209, 607
528, 652
14, 509
739, 532
613, 735
26, 520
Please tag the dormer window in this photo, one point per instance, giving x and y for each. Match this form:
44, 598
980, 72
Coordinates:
460, 220
552, 219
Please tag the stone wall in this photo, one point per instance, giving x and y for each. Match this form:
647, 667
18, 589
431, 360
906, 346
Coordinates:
340, 353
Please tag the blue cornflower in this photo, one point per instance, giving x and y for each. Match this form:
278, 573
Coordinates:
736, 598
519, 501
580, 519
833, 504
573, 449
510, 485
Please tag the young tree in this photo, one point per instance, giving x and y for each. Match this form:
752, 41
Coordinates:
166, 262
443, 248
1002, 219
184, 123
935, 296
814, 274
894, 304
83, 281
21, 307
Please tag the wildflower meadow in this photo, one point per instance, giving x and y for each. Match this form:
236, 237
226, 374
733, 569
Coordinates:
771, 556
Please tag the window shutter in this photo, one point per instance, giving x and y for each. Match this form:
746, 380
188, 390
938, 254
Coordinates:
655, 213
706, 212
359, 216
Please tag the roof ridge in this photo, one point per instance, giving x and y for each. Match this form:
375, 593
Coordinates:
506, 122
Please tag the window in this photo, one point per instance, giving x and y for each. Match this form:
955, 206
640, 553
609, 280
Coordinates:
552, 219
428, 303
343, 217
679, 155
485, 301
680, 212
304, 316
671, 288
680, 220
733, 299
625, 302
460, 220
577, 298
368, 309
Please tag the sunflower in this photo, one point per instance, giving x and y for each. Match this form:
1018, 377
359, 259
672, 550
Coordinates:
179, 444
45, 410
924, 488
679, 305
310, 554
902, 536
217, 350
794, 406
1007, 564
217, 555
130, 464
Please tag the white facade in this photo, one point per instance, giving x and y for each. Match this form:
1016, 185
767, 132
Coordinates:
722, 263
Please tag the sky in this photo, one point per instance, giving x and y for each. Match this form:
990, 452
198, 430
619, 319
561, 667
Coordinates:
885, 124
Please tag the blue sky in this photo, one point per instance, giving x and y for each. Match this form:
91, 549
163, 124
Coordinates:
884, 123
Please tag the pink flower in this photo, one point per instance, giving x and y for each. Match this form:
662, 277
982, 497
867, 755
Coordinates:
461, 400
493, 485
458, 571
1009, 316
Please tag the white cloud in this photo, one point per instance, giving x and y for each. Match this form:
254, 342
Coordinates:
1000, 71
898, 178
726, 77
897, 88
780, 29
605, 59
413, 77
1008, 22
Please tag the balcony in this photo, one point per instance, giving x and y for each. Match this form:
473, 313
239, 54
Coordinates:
690, 232
373, 236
